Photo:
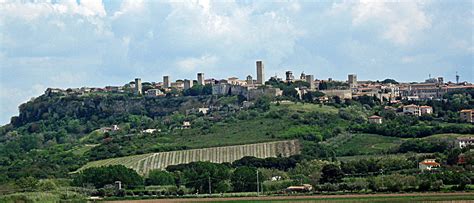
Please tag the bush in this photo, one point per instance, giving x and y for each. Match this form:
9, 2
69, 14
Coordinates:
104, 175
159, 177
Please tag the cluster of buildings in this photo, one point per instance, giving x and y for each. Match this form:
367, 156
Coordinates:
252, 88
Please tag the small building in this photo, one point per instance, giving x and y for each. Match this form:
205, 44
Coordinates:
426, 110
151, 130
115, 127
203, 110
412, 109
276, 178
375, 119
154, 93
108, 129
462, 142
428, 165
186, 125
467, 115
417, 110
301, 188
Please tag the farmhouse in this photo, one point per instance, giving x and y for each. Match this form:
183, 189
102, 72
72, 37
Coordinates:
428, 165
375, 119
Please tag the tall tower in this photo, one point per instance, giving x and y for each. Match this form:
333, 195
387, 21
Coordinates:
289, 76
260, 73
310, 80
166, 81
138, 86
457, 78
200, 77
352, 80
188, 84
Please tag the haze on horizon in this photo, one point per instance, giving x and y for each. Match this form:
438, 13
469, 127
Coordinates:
98, 43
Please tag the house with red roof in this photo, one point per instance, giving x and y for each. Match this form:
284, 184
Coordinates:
428, 165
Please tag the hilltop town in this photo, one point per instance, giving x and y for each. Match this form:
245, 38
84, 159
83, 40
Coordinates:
388, 91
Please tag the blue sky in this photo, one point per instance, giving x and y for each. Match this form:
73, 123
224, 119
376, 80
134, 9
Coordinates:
96, 43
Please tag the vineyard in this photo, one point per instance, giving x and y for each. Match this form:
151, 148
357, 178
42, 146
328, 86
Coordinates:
145, 162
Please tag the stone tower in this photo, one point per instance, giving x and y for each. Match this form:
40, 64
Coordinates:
138, 86
200, 78
166, 81
310, 80
352, 80
260, 73
188, 84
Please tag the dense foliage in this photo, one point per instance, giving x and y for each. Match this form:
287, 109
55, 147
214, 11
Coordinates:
108, 175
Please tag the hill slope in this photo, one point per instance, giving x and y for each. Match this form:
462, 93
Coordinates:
145, 162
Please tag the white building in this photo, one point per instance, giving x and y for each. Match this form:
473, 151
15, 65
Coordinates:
417, 110
462, 142
151, 130
203, 110
154, 93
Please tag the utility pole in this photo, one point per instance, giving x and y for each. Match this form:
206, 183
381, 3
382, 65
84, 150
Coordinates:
209, 179
257, 183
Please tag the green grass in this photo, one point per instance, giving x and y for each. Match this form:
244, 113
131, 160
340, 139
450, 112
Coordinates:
366, 144
306, 107
448, 136
375, 156
222, 134
80, 150
51, 196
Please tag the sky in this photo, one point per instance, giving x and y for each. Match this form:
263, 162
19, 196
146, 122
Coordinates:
76, 43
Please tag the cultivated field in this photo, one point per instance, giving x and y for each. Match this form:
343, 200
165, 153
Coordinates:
145, 162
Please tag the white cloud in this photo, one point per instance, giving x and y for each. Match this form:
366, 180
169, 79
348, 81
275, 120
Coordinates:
400, 22
191, 64
71, 44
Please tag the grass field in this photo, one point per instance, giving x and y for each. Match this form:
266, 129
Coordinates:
306, 107
364, 144
448, 136
145, 162
358, 157
223, 134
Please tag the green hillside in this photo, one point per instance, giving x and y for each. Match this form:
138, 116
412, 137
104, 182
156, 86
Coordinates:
56, 135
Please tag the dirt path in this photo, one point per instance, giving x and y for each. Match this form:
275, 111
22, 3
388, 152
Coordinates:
309, 197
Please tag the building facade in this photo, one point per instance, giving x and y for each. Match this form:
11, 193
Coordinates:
467, 115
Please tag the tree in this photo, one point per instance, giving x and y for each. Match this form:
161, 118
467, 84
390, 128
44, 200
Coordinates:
197, 175
452, 157
331, 173
104, 175
27, 184
159, 177
388, 80
244, 179
262, 103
